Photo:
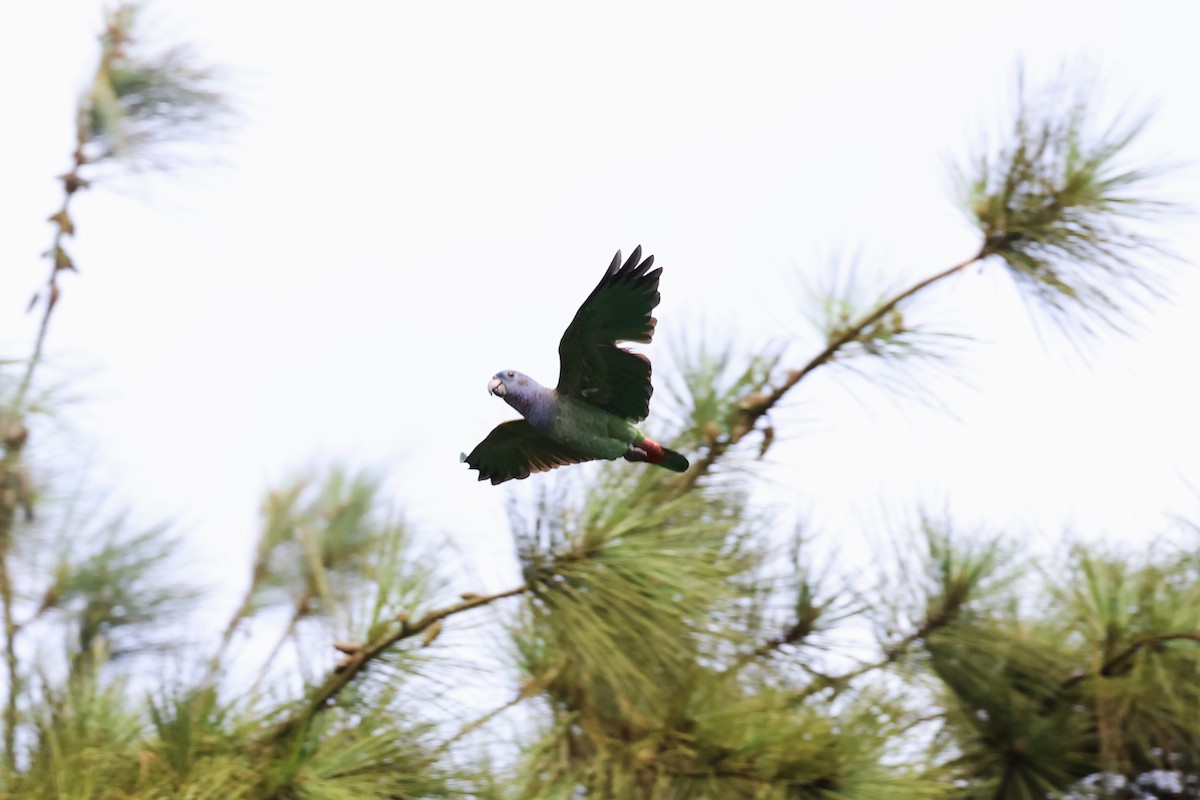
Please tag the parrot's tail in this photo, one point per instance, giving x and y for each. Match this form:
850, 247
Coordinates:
654, 453
673, 461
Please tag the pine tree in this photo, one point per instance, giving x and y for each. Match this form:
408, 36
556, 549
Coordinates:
661, 644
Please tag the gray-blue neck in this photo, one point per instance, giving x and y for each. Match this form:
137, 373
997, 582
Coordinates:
537, 404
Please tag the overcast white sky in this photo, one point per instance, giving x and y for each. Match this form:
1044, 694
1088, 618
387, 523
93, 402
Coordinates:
419, 195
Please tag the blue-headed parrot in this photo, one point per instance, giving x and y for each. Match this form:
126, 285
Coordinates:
603, 389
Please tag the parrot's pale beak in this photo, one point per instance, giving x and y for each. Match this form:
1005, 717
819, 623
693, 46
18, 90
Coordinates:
496, 387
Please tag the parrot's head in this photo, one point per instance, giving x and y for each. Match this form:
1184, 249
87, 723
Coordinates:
516, 388
511, 384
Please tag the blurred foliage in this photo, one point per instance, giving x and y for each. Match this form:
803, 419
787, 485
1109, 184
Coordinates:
142, 101
717, 393
1059, 204
894, 352
119, 595
846, 296
668, 641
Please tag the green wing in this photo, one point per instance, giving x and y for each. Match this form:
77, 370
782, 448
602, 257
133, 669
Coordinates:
515, 449
591, 365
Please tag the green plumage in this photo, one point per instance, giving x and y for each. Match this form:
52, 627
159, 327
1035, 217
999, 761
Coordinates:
603, 389
591, 429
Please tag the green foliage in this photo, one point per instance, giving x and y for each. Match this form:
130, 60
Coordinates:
624, 601
372, 755
1137, 625
193, 741
717, 391
663, 645
139, 101
317, 539
848, 297
1057, 202
331, 551
999, 682
882, 342
118, 595
1096, 678
724, 742
86, 743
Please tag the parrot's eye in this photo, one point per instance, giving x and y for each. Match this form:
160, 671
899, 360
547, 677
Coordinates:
510, 374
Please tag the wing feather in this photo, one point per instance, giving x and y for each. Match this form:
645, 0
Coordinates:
592, 366
516, 449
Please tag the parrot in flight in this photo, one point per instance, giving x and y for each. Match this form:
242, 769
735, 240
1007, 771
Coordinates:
603, 389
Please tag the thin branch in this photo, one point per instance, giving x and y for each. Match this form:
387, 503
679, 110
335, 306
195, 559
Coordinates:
756, 405
59, 260
1110, 666
891, 654
525, 692
10, 662
15, 491
357, 660
241, 615
795, 633
301, 610
921, 720
15, 434
244, 611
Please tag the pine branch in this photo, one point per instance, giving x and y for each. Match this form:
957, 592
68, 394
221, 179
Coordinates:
259, 575
244, 609
932, 623
530, 688
358, 657
802, 628
1058, 205
11, 667
301, 610
180, 102
1053, 204
1111, 664
792, 635
14, 488
756, 405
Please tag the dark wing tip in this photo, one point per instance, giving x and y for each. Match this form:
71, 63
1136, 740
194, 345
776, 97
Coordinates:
515, 450
495, 476
634, 267
634, 273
